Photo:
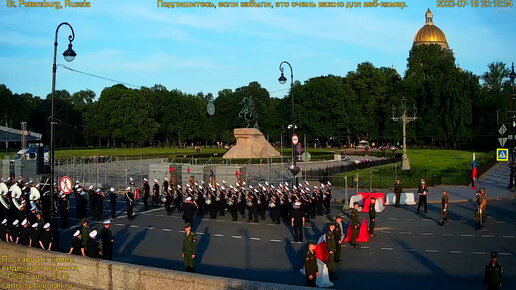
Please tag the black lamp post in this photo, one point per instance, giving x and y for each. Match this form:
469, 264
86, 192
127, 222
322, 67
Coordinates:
282, 80
512, 130
69, 55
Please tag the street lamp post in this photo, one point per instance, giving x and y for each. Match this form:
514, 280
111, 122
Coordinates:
282, 80
404, 119
512, 131
69, 55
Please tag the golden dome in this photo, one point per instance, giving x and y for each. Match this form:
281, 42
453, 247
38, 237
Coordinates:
430, 34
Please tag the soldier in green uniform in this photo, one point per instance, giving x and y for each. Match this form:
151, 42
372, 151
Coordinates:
355, 225
189, 248
493, 274
311, 270
338, 238
372, 216
331, 244
85, 232
398, 189
444, 211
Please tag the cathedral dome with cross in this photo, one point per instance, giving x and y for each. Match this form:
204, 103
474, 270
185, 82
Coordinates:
430, 33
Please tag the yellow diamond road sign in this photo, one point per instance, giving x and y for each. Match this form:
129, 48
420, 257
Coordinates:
502, 154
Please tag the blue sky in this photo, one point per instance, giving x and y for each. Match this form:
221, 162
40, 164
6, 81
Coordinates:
203, 49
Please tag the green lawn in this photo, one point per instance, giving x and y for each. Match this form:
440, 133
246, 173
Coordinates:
437, 166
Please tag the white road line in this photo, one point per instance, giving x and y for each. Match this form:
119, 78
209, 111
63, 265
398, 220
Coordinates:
133, 226
387, 249
512, 197
220, 221
199, 233
307, 228
150, 228
218, 235
426, 220
160, 215
237, 222
431, 251
499, 222
488, 236
181, 231
479, 253
409, 219
364, 247
448, 235
410, 250
205, 219
504, 254
236, 237
455, 252
166, 230
392, 219
272, 225
120, 224
467, 235
255, 239
508, 236
405, 233
426, 234
386, 232
276, 241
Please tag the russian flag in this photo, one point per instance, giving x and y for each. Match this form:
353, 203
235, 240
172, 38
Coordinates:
474, 173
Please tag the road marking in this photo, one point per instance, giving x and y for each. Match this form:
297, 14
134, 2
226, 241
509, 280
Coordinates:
508, 236
479, 253
237, 222
504, 254
218, 235
499, 222
455, 252
276, 241
409, 219
220, 221
488, 236
448, 235
426, 220
307, 228
512, 197
181, 232
410, 250
431, 251
150, 228
467, 235
426, 234
255, 239
363, 247
236, 237
272, 225
160, 215
120, 224
205, 219
133, 226
199, 233
392, 218
405, 233
386, 249
166, 230
386, 232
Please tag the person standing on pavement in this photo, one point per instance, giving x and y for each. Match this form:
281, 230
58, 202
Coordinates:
77, 248
398, 189
482, 207
422, 192
311, 269
298, 221
355, 225
45, 238
338, 238
112, 202
493, 273
146, 193
189, 248
372, 216
92, 247
444, 210
188, 210
129, 200
331, 245
85, 233
107, 241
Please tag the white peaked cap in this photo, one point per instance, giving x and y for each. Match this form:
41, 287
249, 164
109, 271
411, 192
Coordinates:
46, 226
129, 188
155, 180
107, 222
188, 198
91, 187
145, 179
112, 189
35, 225
93, 234
4, 221
130, 178
77, 233
24, 222
164, 178
15, 222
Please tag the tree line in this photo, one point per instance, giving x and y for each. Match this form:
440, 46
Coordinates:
455, 108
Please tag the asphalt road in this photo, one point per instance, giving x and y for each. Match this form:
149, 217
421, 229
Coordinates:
410, 252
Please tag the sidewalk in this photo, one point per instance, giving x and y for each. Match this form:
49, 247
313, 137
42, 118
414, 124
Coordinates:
495, 180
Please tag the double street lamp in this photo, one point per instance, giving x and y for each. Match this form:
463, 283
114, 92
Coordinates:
282, 80
68, 55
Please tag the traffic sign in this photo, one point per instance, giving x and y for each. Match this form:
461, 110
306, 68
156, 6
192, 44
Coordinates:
502, 130
502, 154
502, 141
65, 184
